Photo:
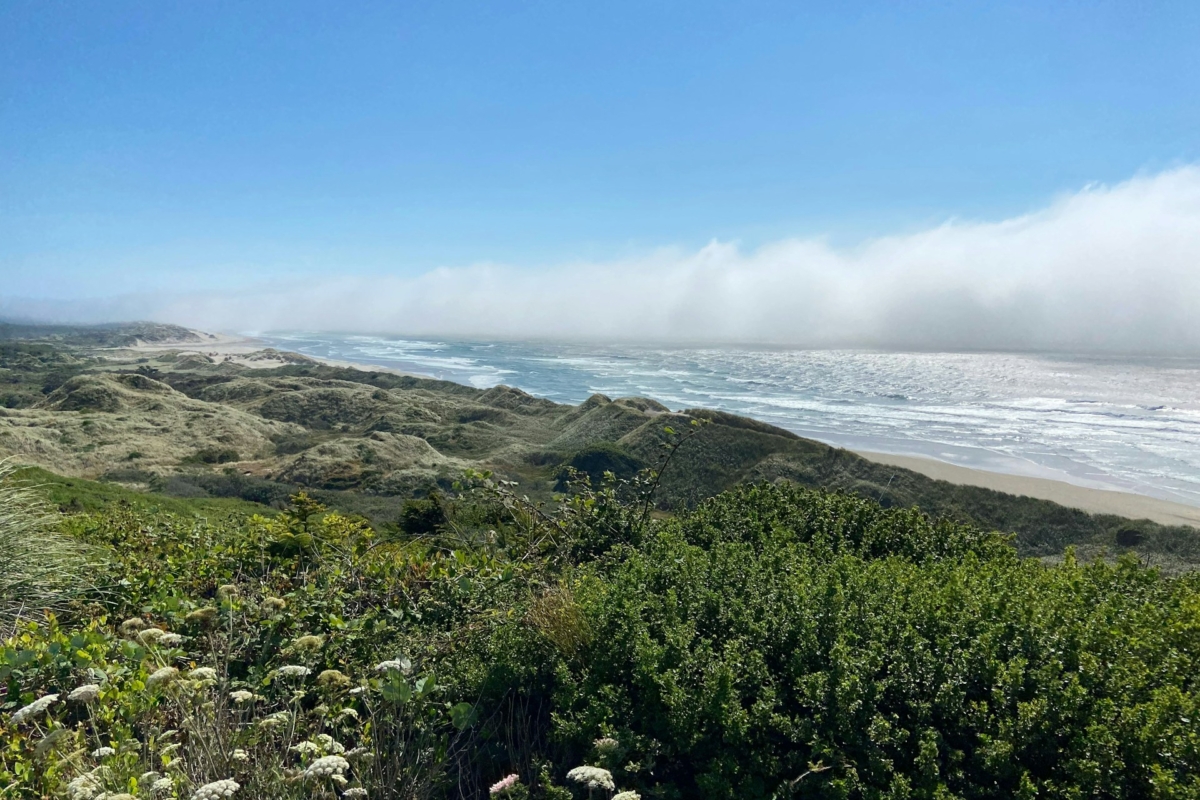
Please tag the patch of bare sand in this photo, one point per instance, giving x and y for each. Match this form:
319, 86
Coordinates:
1094, 501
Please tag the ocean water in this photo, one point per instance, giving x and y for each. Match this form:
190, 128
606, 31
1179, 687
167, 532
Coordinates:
1128, 424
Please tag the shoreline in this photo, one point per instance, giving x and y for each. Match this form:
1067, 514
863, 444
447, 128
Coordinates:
1093, 501
239, 349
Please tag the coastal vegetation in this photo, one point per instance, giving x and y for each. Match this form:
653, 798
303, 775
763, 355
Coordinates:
774, 641
305, 581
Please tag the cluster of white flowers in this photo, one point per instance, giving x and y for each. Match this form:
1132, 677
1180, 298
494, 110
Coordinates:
150, 636
132, 625
216, 790
327, 767
356, 792
146, 778
626, 796
361, 753
240, 755
396, 664
34, 709
162, 675
592, 777
306, 748
84, 694
170, 639
347, 713
329, 744
276, 720
241, 696
162, 786
103, 752
607, 745
121, 796
203, 674
85, 787
293, 671
504, 784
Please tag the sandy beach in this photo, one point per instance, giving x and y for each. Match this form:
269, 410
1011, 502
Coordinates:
1095, 501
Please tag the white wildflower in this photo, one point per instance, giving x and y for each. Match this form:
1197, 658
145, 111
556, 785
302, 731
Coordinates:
504, 784
170, 639
34, 709
329, 745
241, 696
396, 664
592, 777
326, 767
150, 636
166, 750
240, 755
607, 746
339, 779
292, 671
203, 674
357, 792
85, 787
84, 694
347, 713
162, 675
626, 796
121, 796
278, 719
103, 752
148, 777
216, 790
306, 748
161, 786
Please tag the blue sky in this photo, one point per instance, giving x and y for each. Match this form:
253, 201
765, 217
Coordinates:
190, 146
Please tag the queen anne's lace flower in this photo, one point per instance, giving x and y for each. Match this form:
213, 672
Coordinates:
161, 786
148, 778
626, 796
329, 745
202, 616
357, 792
306, 748
241, 696
216, 790
162, 675
309, 642
278, 719
170, 639
592, 777
85, 787
504, 784
607, 746
327, 767
103, 752
293, 671
396, 664
332, 678
240, 755
121, 796
203, 674
34, 709
347, 713
84, 694
150, 636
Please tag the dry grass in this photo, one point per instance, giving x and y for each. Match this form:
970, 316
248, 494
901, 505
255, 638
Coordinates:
40, 569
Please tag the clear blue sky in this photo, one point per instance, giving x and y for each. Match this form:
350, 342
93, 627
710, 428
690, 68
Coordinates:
198, 144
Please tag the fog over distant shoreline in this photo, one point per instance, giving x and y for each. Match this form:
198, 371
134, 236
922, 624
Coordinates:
1106, 269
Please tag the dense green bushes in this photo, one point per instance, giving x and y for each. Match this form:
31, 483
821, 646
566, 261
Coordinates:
774, 642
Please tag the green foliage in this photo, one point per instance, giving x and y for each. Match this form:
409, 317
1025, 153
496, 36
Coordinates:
423, 516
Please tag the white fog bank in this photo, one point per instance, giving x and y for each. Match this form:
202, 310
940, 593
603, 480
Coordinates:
1109, 268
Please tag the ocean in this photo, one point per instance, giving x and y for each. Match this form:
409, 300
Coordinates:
1119, 423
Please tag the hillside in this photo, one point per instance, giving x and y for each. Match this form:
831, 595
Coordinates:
189, 425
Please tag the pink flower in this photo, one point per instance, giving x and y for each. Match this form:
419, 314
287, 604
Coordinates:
504, 784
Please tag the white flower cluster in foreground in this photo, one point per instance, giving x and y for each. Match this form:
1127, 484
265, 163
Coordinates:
356, 792
397, 664
327, 767
626, 796
84, 694
162, 675
504, 784
103, 752
162, 786
592, 777
241, 696
293, 671
216, 790
34, 709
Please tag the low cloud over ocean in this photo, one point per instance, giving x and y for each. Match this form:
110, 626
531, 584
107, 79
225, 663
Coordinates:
1109, 268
